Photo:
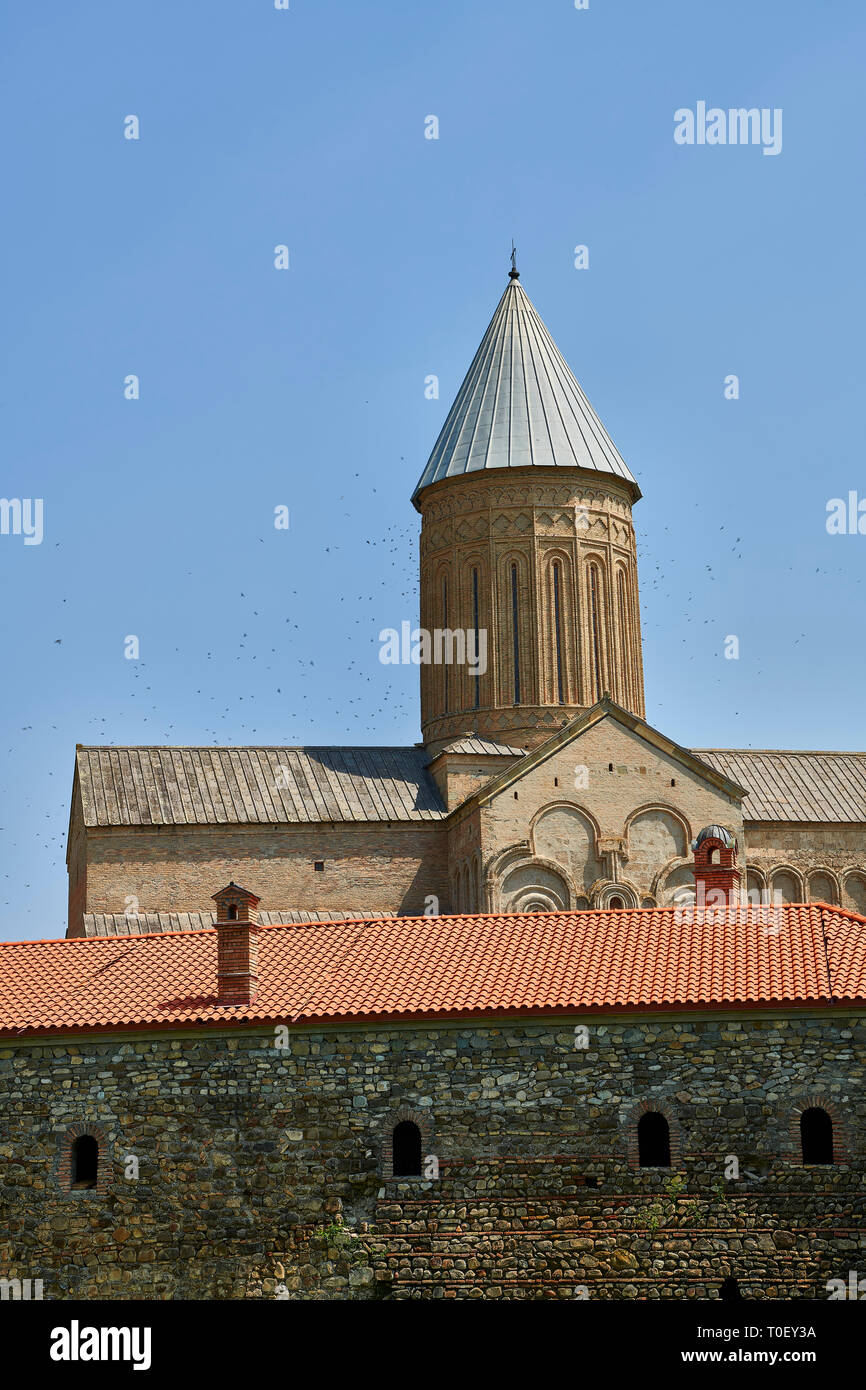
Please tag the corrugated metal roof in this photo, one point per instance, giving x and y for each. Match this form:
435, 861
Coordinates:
474, 744
794, 786
145, 923
440, 967
233, 786
520, 405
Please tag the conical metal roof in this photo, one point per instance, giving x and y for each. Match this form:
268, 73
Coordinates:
520, 405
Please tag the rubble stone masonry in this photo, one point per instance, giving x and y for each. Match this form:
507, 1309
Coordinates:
263, 1170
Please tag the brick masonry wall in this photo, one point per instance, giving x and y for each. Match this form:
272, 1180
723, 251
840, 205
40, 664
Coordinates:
176, 869
836, 852
606, 789
262, 1171
532, 519
628, 804
76, 865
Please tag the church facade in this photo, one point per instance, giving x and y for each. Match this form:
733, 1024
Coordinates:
538, 785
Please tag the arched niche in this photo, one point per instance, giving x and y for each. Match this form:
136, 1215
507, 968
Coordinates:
656, 834
526, 886
855, 892
823, 887
567, 835
678, 886
615, 895
786, 886
756, 886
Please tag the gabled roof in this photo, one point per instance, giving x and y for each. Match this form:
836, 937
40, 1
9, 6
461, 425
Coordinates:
446, 967
235, 786
231, 786
605, 708
520, 406
791, 786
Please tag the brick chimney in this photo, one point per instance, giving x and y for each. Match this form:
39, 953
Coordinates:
717, 879
237, 944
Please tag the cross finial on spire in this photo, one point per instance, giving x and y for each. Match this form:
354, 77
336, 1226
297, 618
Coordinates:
514, 273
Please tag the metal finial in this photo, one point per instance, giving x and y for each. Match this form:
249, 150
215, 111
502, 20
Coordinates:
514, 273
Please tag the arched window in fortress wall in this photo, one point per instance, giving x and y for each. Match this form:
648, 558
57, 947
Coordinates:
406, 1148
85, 1162
816, 1136
654, 1140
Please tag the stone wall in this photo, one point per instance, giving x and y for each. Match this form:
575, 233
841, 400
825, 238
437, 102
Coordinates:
261, 1170
814, 862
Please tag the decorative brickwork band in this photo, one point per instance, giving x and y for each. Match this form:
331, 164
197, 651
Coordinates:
63, 1171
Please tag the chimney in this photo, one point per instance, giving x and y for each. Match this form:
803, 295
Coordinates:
717, 879
237, 945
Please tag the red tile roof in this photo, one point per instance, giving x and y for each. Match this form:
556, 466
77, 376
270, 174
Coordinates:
435, 967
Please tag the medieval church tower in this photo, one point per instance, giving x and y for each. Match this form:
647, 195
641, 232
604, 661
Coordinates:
527, 534
538, 786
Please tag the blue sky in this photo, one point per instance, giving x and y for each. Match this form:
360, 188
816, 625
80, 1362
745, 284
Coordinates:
306, 387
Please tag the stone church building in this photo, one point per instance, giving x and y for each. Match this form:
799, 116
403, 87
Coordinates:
538, 785
546, 1006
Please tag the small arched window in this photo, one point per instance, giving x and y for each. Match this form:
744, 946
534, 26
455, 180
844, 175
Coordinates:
445, 691
730, 1290
515, 633
475, 612
616, 902
557, 630
406, 1149
595, 630
85, 1162
653, 1140
624, 637
816, 1134
232, 913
